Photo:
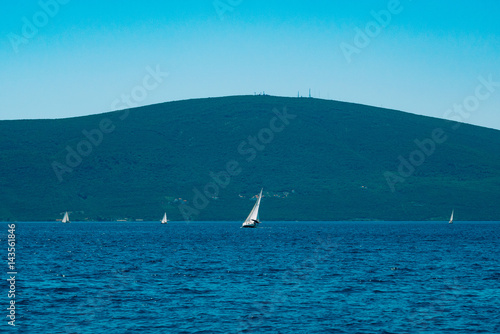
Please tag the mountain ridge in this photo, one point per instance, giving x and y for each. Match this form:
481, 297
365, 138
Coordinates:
332, 161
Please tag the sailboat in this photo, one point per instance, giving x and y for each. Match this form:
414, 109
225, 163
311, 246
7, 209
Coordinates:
451, 218
164, 219
66, 218
253, 218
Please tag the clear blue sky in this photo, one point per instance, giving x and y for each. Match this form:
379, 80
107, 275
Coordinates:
85, 54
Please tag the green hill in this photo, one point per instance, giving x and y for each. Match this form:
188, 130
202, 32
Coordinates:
318, 160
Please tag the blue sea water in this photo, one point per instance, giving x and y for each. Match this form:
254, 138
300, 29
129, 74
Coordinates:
285, 277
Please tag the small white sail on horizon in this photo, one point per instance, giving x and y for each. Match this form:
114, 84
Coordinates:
164, 219
451, 218
253, 218
66, 218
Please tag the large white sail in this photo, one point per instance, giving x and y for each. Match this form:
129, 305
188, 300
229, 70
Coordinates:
451, 218
164, 219
253, 217
65, 218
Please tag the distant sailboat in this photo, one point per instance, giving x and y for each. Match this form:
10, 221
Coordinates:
66, 218
164, 219
451, 218
253, 218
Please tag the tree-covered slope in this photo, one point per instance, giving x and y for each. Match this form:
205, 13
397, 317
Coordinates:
204, 159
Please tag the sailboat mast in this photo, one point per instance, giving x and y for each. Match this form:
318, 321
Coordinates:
253, 217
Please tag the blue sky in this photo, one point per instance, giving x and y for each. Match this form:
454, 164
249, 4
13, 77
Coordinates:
82, 56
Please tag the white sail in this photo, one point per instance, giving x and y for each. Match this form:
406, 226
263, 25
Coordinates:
164, 219
65, 218
253, 217
451, 218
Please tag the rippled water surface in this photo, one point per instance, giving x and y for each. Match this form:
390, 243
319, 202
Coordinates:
299, 277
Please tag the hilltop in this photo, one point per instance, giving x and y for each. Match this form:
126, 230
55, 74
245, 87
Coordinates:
205, 159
